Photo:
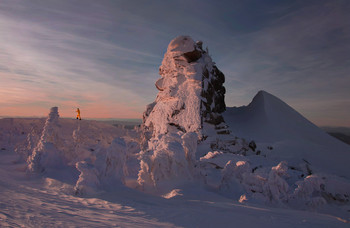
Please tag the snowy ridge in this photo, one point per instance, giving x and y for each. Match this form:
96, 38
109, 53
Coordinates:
271, 122
266, 109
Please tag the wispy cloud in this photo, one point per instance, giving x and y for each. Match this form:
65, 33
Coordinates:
53, 59
104, 55
301, 56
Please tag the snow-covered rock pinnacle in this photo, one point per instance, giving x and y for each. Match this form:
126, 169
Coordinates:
190, 98
191, 90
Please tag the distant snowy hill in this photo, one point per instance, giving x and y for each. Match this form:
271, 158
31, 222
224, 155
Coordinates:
268, 118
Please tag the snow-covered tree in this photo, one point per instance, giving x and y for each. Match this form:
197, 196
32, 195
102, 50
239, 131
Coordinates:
45, 153
115, 163
89, 181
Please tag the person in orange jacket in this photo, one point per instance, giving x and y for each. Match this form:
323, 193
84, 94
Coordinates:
78, 114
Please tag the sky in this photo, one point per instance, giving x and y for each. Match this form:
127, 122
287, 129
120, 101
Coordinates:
103, 56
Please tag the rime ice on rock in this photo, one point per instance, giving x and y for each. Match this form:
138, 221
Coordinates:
45, 153
191, 93
191, 90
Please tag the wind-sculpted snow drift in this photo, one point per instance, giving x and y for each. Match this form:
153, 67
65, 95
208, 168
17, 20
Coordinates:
265, 152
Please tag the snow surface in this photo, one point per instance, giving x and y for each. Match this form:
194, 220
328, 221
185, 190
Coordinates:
42, 201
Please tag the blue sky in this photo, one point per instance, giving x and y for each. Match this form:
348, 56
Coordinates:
103, 56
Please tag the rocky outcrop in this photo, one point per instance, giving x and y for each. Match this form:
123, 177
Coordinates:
190, 99
191, 91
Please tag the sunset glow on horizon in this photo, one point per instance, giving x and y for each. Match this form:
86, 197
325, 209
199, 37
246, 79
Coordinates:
103, 56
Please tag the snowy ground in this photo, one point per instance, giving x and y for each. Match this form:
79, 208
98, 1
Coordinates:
31, 201
48, 200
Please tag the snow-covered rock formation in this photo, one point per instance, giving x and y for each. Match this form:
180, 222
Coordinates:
191, 90
188, 106
46, 154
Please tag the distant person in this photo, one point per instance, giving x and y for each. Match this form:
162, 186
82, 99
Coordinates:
78, 114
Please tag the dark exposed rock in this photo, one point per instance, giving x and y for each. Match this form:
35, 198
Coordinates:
225, 132
193, 55
252, 145
213, 119
199, 44
215, 165
176, 112
178, 127
149, 109
214, 94
309, 171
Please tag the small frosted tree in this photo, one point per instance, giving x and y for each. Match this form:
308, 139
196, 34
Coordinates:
45, 153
